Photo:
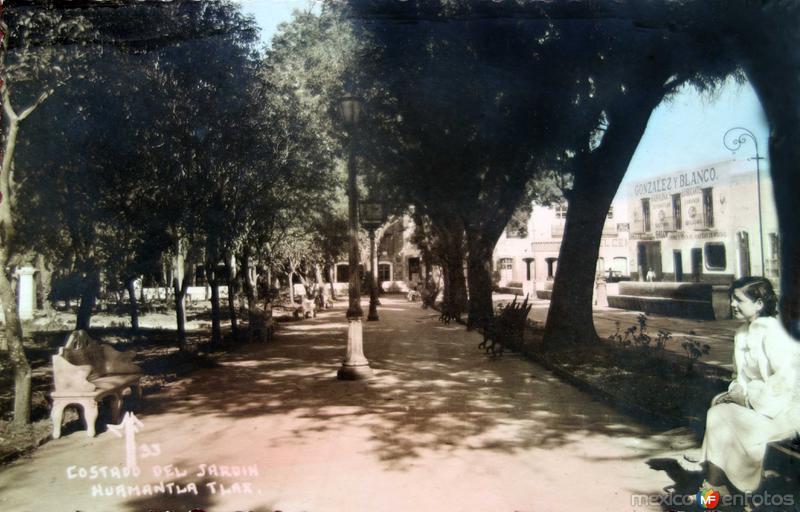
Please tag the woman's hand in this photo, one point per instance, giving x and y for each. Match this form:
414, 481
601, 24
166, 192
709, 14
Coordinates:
728, 398
722, 398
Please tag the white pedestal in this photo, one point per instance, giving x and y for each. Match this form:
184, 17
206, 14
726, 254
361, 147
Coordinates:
355, 366
26, 293
529, 289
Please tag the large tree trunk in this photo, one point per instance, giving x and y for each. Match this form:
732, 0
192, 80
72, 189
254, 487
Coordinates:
570, 316
16, 353
216, 329
45, 283
452, 257
771, 61
248, 283
180, 287
130, 286
331, 279
91, 287
250, 280
479, 269
232, 289
180, 284
291, 287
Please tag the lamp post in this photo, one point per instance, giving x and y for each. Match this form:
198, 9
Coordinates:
372, 217
355, 366
733, 140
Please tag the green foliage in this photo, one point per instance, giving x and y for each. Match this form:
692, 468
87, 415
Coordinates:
636, 337
694, 351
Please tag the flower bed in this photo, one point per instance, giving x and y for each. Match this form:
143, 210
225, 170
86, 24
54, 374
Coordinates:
654, 385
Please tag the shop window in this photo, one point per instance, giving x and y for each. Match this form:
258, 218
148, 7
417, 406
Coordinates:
384, 272
506, 268
715, 256
708, 207
561, 211
342, 273
610, 214
646, 213
676, 211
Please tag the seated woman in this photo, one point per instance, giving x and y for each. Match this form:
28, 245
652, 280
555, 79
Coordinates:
762, 404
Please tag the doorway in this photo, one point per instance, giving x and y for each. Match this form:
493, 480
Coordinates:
697, 265
649, 257
677, 259
414, 275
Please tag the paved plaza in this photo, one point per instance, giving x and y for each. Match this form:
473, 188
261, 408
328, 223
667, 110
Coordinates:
440, 427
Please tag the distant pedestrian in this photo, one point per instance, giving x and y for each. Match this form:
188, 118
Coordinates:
651, 275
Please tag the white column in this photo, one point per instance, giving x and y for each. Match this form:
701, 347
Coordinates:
26, 293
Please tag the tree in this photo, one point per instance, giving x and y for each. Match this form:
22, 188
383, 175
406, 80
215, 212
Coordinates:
468, 95
637, 72
34, 62
329, 241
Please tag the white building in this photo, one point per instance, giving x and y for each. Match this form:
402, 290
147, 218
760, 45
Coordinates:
705, 224
399, 261
537, 240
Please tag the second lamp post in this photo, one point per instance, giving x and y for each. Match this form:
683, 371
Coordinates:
355, 366
372, 217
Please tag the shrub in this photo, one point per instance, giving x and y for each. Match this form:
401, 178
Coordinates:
694, 351
636, 336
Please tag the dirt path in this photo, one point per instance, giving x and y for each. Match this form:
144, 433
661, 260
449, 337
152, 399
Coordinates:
440, 427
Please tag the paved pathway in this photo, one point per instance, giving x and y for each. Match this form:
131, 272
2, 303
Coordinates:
441, 427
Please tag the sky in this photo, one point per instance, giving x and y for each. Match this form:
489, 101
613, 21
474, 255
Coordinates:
684, 133
270, 13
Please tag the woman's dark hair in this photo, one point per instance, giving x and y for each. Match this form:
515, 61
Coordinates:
757, 288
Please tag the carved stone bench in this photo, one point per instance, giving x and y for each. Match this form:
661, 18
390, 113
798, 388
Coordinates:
306, 309
85, 373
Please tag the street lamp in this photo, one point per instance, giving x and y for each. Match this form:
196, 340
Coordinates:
733, 140
355, 366
372, 217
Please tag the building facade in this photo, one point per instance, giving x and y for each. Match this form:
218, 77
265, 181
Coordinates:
399, 261
528, 252
705, 224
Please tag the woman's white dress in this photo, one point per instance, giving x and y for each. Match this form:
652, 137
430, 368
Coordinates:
767, 362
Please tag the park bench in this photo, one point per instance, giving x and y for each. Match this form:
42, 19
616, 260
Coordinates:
306, 309
782, 459
449, 313
507, 328
85, 373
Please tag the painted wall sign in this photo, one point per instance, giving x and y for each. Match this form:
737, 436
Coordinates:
678, 182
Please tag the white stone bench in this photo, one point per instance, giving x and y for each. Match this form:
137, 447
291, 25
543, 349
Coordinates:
306, 309
85, 373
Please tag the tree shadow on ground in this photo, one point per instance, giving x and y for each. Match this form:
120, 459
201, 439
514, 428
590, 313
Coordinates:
434, 391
